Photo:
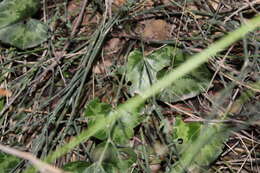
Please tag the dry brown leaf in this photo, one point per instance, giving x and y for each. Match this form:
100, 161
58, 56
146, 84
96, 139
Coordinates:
113, 44
111, 47
156, 30
100, 68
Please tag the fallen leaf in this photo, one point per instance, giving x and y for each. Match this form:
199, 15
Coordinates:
100, 68
110, 49
143, 71
113, 45
156, 30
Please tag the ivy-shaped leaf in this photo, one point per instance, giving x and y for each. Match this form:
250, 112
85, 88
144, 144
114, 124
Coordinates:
114, 159
16, 27
185, 136
12, 11
127, 157
142, 72
95, 107
122, 130
25, 34
184, 133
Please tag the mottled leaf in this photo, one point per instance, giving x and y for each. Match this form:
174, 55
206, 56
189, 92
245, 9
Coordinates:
95, 107
122, 130
114, 159
188, 86
24, 34
143, 71
12, 11
108, 152
184, 133
187, 134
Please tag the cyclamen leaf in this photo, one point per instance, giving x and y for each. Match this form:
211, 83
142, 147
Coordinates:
189, 85
114, 159
184, 133
25, 34
123, 130
142, 72
12, 11
189, 133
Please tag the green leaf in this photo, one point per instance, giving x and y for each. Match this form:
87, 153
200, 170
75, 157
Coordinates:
114, 158
76, 167
94, 168
108, 152
127, 157
95, 107
122, 131
185, 136
12, 11
188, 86
8, 162
97, 110
25, 34
184, 133
142, 72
